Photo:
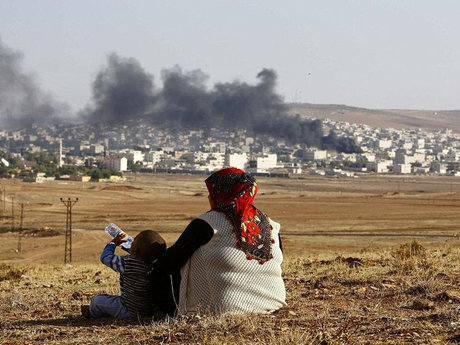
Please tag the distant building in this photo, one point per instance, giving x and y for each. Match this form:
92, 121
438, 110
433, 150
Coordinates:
407, 146
315, 155
422, 170
154, 156
369, 156
237, 160
294, 168
380, 167
80, 178
402, 169
215, 161
402, 158
438, 167
96, 149
263, 163
420, 143
61, 157
267, 161
135, 156
384, 144
116, 163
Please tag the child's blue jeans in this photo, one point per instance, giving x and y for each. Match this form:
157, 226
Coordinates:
107, 305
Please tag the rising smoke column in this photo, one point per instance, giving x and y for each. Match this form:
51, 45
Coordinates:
22, 102
253, 106
184, 100
124, 91
121, 91
259, 108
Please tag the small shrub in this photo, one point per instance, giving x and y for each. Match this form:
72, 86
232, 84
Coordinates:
9, 273
410, 257
410, 250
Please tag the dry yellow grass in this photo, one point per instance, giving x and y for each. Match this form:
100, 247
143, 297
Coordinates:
340, 289
362, 299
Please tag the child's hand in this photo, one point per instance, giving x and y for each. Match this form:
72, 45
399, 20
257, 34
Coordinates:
119, 239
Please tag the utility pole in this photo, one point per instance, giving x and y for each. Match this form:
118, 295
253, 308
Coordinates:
20, 227
12, 213
69, 203
4, 201
21, 219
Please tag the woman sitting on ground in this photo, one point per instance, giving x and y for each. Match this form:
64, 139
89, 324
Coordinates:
227, 260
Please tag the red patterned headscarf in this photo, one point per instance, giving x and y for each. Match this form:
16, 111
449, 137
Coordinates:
232, 192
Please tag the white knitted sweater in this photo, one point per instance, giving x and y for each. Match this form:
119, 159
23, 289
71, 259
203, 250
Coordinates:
218, 278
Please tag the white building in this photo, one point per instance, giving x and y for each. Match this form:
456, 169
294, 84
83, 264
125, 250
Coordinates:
369, 156
315, 155
61, 157
96, 149
439, 168
237, 160
135, 156
293, 168
249, 140
419, 157
402, 169
420, 143
384, 144
267, 161
407, 146
402, 157
154, 156
116, 163
215, 161
381, 166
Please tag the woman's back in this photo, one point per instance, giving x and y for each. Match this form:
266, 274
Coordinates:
219, 278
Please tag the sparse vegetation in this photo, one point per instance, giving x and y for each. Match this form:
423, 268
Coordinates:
340, 289
10, 273
329, 302
411, 257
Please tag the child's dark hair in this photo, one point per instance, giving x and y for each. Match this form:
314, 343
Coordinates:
150, 245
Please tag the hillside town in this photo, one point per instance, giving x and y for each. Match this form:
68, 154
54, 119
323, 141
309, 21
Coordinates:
140, 147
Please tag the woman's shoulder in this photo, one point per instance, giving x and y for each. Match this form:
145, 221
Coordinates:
211, 216
215, 219
274, 224
275, 227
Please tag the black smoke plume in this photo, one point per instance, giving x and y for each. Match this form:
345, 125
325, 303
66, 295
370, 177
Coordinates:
120, 90
22, 102
124, 91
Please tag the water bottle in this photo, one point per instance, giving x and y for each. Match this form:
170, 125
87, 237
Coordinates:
113, 230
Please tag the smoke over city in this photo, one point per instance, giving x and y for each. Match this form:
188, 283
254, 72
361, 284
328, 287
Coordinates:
124, 91
22, 102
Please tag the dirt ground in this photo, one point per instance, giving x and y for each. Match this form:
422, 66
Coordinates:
352, 272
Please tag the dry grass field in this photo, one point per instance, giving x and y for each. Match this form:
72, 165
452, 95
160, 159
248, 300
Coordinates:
370, 260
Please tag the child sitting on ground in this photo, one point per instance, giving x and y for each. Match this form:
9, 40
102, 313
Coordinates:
135, 299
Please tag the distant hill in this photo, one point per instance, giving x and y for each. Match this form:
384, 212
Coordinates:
394, 118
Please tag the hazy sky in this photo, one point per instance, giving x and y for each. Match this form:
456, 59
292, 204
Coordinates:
368, 53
